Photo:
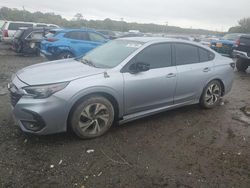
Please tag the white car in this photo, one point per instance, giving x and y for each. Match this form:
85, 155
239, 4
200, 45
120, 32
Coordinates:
10, 27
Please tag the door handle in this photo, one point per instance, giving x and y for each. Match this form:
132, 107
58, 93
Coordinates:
171, 75
207, 69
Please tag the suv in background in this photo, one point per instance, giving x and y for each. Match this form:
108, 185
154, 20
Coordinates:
225, 45
10, 28
242, 52
69, 43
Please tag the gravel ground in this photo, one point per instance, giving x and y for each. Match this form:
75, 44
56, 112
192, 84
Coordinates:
187, 147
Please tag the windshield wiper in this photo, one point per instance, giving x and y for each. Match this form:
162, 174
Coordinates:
88, 62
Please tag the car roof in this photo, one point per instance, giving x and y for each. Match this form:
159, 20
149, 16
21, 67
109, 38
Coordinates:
69, 30
156, 39
153, 40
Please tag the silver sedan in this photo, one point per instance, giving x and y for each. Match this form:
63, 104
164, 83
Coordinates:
122, 80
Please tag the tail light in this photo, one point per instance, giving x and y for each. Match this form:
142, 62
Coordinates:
5, 33
51, 39
232, 65
237, 42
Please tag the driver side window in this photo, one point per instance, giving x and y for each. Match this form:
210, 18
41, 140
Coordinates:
156, 55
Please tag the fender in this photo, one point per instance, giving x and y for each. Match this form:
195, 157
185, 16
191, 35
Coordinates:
98, 89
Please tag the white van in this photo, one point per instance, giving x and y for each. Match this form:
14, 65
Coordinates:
10, 27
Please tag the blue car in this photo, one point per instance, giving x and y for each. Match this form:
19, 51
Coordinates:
226, 44
69, 43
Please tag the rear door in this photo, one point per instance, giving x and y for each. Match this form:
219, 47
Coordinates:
194, 68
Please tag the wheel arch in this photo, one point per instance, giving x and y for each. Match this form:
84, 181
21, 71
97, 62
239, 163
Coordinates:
220, 81
107, 95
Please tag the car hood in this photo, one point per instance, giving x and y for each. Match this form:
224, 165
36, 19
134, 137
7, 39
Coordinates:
56, 71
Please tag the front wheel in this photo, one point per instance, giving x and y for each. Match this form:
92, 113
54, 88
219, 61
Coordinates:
92, 117
211, 95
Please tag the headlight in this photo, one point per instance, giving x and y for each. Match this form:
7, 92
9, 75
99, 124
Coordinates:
44, 91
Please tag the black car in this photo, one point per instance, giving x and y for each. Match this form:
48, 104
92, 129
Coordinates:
27, 40
242, 52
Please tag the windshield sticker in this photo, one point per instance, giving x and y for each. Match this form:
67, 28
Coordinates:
133, 45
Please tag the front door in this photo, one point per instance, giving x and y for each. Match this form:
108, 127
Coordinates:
154, 88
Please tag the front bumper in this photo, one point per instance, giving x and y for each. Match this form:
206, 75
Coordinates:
49, 114
240, 54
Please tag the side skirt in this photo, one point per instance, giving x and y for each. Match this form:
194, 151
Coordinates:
146, 113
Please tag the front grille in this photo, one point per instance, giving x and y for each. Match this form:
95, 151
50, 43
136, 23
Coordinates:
14, 98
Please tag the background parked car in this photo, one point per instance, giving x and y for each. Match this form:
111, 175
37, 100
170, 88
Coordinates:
70, 43
207, 40
107, 33
27, 40
225, 45
242, 52
10, 28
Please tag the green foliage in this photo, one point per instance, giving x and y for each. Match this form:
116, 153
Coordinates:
243, 27
79, 22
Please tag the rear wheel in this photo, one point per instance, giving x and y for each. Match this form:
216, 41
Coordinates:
242, 64
65, 55
92, 117
211, 95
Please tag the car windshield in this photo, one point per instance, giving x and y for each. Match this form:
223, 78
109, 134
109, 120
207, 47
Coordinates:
111, 54
232, 37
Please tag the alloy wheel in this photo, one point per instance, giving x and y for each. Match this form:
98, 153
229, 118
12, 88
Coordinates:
94, 118
213, 94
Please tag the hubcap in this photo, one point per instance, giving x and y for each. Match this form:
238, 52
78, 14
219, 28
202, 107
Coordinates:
213, 94
94, 118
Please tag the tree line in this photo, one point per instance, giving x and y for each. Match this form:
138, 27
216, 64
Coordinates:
108, 24
243, 26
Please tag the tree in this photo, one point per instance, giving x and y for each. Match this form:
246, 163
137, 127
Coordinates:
78, 17
243, 27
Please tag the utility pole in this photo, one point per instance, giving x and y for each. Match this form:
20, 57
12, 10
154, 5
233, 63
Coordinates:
122, 20
166, 27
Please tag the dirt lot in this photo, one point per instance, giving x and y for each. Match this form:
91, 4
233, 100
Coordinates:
187, 147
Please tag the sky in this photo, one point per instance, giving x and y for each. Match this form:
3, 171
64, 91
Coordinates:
217, 15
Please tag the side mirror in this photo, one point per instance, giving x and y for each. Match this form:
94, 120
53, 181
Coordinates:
139, 67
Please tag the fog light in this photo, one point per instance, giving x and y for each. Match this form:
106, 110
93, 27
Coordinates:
32, 125
36, 124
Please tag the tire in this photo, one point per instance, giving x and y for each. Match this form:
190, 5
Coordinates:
65, 55
242, 65
211, 95
92, 117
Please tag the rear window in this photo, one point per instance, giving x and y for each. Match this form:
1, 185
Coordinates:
16, 26
245, 40
186, 54
77, 35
